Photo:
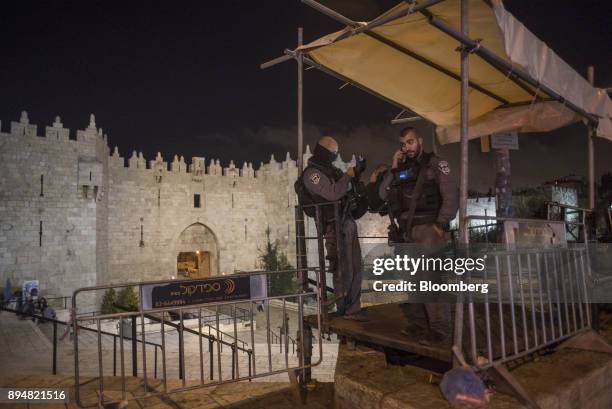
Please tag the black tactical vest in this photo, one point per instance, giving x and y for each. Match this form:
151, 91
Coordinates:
402, 188
306, 198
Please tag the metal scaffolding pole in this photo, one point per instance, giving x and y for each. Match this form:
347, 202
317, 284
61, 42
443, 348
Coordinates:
518, 76
463, 186
465, 72
366, 29
300, 90
501, 64
590, 147
360, 27
305, 331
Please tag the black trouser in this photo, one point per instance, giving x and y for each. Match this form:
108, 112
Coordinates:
435, 305
345, 265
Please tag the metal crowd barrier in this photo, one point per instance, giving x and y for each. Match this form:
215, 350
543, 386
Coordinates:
55, 340
576, 219
205, 320
301, 250
58, 302
334, 224
211, 364
537, 298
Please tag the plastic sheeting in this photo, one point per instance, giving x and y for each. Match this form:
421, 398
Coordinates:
540, 117
543, 64
405, 59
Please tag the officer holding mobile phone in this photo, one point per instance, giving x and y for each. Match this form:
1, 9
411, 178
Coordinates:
422, 197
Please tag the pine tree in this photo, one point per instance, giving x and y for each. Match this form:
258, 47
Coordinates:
127, 299
274, 259
108, 301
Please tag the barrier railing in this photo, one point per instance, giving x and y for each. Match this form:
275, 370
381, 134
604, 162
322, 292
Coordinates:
54, 339
278, 339
575, 218
204, 319
328, 219
59, 302
540, 297
333, 224
213, 368
537, 298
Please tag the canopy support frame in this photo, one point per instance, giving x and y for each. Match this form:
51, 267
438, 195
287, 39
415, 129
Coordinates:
590, 147
435, 66
516, 75
341, 77
400, 119
291, 54
413, 8
367, 30
495, 61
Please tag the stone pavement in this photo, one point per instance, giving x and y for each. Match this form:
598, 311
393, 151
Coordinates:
26, 359
26, 348
565, 379
244, 395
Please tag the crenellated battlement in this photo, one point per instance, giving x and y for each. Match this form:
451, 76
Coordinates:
23, 127
56, 132
198, 166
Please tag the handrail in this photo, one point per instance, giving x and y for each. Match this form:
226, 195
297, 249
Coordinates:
217, 377
279, 338
557, 204
64, 298
70, 325
191, 331
55, 322
93, 314
580, 213
243, 344
509, 219
225, 334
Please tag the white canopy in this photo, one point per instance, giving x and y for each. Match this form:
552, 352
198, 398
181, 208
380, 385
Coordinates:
414, 64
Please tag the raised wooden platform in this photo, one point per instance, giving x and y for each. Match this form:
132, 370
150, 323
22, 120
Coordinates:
386, 322
384, 329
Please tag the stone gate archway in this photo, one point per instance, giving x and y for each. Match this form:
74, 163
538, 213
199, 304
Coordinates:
201, 242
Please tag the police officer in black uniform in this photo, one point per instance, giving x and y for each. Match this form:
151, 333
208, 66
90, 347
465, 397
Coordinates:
422, 197
322, 182
436, 195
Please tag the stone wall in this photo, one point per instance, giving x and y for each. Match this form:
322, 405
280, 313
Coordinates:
51, 215
108, 219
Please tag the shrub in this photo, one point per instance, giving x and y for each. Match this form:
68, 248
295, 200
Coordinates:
274, 259
127, 299
108, 301
123, 300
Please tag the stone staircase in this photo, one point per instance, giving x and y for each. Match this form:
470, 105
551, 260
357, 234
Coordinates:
27, 348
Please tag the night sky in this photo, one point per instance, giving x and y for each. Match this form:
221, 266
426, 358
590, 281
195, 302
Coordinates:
184, 78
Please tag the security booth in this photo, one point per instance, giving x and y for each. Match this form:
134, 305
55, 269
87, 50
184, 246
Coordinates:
471, 69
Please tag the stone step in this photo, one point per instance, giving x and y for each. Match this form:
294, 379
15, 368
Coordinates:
243, 395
